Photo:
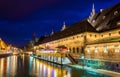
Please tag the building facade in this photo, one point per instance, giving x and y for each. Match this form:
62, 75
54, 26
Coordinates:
97, 38
3, 46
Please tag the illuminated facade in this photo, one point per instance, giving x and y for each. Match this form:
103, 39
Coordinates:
97, 38
3, 46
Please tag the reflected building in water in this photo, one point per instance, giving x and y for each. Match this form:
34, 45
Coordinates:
26, 66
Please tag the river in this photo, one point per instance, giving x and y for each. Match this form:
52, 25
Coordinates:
27, 66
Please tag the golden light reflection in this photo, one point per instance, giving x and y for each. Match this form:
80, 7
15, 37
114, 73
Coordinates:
45, 69
10, 65
13, 65
2, 67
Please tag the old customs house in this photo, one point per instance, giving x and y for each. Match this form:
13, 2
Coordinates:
95, 39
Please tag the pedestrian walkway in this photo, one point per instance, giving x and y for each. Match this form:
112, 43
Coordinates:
105, 72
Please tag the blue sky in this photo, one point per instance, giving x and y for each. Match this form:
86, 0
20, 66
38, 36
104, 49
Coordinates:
19, 19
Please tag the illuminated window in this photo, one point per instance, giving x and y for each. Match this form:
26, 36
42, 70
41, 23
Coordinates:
96, 49
117, 49
103, 17
116, 12
118, 23
105, 49
88, 49
93, 21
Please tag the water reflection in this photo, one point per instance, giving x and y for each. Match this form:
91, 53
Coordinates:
44, 69
8, 66
26, 66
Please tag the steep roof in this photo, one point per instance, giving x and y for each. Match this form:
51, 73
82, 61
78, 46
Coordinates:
108, 18
103, 21
79, 27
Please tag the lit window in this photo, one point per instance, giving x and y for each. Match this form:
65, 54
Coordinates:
116, 12
117, 48
96, 49
118, 23
105, 49
88, 49
93, 21
103, 17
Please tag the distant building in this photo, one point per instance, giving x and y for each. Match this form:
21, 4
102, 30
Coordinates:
34, 38
96, 37
3, 46
29, 46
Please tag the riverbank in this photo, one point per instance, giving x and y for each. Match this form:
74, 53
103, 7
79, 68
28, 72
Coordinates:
101, 71
5, 54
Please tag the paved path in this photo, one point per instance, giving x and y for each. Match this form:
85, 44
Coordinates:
105, 72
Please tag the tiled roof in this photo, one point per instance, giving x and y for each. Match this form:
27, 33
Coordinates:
105, 20
80, 27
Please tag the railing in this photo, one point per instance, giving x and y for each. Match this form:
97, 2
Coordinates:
102, 58
71, 58
52, 54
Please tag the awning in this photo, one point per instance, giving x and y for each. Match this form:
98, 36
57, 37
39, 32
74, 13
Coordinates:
61, 46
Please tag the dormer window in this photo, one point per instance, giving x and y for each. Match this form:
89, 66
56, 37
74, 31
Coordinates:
103, 17
118, 23
116, 12
93, 21
101, 10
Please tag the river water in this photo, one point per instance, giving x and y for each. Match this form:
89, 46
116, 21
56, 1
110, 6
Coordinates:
27, 66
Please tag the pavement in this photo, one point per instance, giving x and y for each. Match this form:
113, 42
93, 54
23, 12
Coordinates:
101, 71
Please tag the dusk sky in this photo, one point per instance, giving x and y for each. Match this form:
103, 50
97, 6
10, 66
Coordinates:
19, 19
